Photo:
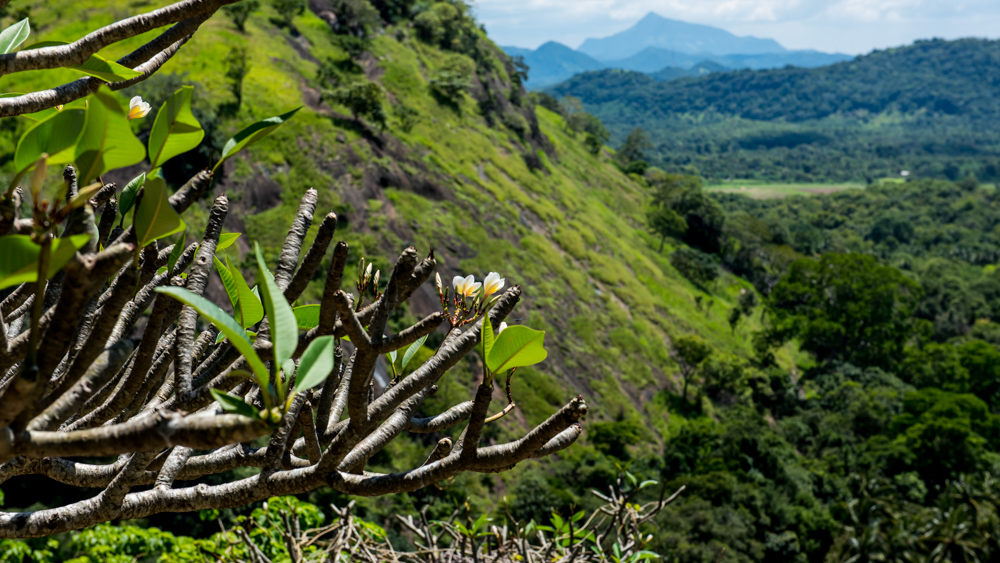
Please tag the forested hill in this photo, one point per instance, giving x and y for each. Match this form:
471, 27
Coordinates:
927, 106
926, 79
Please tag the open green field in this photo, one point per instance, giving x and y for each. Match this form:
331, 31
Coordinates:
763, 190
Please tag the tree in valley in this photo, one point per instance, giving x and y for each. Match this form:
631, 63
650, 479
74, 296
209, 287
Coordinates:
691, 351
632, 151
846, 307
701, 217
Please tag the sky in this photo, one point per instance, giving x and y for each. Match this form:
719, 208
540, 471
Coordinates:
843, 26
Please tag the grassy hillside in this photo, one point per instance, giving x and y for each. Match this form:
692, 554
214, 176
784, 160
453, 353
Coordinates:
490, 183
930, 108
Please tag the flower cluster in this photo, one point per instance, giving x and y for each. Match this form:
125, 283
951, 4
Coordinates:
471, 298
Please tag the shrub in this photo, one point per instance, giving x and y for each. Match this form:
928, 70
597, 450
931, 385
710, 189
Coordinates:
448, 85
695, 265
363, 99
516, 123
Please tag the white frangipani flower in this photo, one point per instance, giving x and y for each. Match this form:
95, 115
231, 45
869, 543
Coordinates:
492, 284
137, 108
467, 286
503, 325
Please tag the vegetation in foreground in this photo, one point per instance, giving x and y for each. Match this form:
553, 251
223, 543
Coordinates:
815, 450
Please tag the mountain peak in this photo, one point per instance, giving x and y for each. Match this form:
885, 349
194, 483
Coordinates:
654, 30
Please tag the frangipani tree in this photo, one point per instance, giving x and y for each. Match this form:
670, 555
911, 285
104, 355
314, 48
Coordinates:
83, 404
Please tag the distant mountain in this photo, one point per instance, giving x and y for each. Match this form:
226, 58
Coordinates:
553, 62
655, 30
652, 59
657, 43
517, 51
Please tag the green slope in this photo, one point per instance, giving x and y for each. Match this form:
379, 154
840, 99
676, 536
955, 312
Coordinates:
570, 231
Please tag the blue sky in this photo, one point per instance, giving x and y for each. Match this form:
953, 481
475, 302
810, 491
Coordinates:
846, 26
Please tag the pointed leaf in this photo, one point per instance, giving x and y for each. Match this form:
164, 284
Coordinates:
83, 195
55, 136
281, 320
175, 130
19, 257
226, 324
486, 333
96, 66
107, 70
127, 199
412, 351
226, 240
252, 134
233, 404
251, 310
517, 346
228, 283
12, 37
306, 316
155, 219
316, 363
392, 356
107, 142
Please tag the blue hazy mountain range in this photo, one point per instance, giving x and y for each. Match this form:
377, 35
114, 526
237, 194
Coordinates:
666, 49
654, 30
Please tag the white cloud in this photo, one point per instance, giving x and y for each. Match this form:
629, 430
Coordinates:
851, 26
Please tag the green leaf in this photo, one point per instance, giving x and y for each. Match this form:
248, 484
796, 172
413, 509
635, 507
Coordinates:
306, 316
175, 130
281, 320
252, 134
56, 136
175, 254
127, 199
19, 257
517, 346
233, 404
108, 71
226, 324
412, 351
250, 334
229, 284
96, 66
107, 142
392, 357
226, 240
155, 219
251, 310
316, 363
486, 333
12, 37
